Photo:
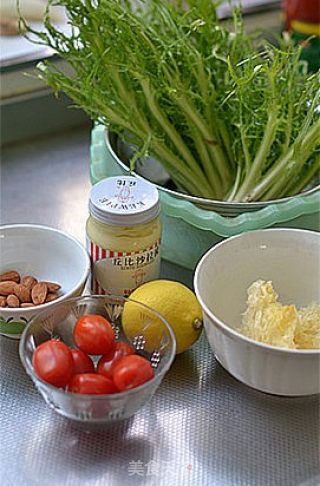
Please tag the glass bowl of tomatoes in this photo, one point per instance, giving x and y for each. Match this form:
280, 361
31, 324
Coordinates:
91, 363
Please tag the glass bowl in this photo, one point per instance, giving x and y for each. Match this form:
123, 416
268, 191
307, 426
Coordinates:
153, 338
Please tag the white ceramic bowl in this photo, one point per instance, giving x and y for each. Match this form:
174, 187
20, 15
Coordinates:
46, 253
291, 260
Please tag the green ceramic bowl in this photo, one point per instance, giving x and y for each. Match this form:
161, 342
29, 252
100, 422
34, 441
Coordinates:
192, 225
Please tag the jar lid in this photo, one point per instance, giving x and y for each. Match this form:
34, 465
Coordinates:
124, 201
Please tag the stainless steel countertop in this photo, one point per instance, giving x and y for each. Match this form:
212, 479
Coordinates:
202, 428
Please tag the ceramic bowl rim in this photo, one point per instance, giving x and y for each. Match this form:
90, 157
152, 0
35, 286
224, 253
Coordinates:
225, 327
81, 282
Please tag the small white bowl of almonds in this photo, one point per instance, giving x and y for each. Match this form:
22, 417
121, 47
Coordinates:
39, 267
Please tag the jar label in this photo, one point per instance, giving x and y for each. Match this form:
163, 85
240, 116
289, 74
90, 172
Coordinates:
121, 272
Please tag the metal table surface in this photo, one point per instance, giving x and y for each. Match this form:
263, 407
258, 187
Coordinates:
202, 428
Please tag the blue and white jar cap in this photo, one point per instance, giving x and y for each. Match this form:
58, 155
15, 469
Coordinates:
124, 201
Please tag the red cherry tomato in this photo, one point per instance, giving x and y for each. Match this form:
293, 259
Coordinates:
93, 334
132, 371
91, 384
108, 361
81, 362
52, 361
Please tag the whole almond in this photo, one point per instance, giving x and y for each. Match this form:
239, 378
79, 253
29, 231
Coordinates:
3, 301
29, 281
53, 287
7, 287
13, 301
23, 293
51, 296
39, 293
11, 276
26, 304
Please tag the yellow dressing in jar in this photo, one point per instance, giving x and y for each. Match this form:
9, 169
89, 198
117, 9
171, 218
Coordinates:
123, 234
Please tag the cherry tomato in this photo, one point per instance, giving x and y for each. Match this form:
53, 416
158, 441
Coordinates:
91, 384
81, 362
93, 334
52, 361
132, 371
107, 362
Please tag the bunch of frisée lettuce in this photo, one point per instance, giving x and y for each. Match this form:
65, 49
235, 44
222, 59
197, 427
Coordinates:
229, 117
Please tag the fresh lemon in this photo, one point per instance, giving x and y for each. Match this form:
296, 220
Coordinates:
175, 302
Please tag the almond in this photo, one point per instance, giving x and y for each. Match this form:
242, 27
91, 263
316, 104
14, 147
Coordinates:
29, 281
23, 293
7, 287
39, 293
3, 301
52, 287
26, 304
51, 296
13, 301
11, 276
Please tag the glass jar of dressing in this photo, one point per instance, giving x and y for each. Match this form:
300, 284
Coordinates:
123, 234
